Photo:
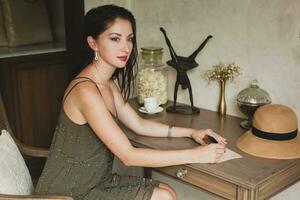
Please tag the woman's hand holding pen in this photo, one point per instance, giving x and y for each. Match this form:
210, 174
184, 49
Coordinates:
212, 152
200, 136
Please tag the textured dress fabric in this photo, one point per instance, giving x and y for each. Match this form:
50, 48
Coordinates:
79, 165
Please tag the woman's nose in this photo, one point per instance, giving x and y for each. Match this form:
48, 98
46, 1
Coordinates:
126, 47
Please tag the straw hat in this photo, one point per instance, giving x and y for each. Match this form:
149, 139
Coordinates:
274, 133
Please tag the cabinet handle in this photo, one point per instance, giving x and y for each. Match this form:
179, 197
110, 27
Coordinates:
181, 173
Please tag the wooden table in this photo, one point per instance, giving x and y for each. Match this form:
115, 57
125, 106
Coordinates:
245, 178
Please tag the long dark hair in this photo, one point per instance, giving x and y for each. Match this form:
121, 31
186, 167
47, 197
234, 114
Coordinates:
96, 21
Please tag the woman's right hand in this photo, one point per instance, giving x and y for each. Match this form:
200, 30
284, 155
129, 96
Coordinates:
210, 153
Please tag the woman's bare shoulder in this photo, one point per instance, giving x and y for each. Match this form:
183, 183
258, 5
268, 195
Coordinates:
77, 98
79, 87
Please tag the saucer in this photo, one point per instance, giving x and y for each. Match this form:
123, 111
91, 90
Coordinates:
143, 110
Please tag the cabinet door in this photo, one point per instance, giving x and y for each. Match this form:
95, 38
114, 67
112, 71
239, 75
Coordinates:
33, 80
39, 87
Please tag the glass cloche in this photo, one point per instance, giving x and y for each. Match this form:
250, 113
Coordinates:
249, 99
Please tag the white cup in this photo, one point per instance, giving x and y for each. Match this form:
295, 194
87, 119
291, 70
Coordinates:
151, 104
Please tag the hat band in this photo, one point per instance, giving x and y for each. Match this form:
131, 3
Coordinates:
274, 136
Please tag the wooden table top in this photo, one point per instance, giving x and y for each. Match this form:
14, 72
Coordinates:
247, 172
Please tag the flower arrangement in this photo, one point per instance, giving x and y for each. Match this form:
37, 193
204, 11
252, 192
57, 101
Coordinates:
223, 73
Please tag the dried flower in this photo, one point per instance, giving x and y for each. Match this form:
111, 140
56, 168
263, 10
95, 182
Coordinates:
152, 83
223, 73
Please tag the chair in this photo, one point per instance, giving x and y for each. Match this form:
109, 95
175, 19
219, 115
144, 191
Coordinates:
15, 180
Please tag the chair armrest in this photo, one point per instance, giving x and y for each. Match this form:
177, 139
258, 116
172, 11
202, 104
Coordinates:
32, 151
33, 197
24, 149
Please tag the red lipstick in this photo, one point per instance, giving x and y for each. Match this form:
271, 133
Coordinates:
123, 58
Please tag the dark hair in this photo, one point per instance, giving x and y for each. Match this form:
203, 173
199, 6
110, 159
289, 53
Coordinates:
96, 21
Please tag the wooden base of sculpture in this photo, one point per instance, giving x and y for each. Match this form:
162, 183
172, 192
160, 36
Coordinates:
182, 109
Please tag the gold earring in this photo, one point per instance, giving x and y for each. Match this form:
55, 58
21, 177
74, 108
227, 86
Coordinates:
96, 57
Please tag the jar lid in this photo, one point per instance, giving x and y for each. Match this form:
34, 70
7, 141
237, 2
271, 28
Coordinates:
254, 95
152, 50
152, 56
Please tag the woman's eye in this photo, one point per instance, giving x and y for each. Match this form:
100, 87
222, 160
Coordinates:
130, 39
116, 39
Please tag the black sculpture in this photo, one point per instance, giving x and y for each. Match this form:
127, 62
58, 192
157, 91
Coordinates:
182, 65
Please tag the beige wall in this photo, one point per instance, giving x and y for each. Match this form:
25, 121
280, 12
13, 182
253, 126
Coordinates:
261, 36
94, 3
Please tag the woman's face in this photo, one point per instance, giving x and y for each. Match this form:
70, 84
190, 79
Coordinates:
115, 43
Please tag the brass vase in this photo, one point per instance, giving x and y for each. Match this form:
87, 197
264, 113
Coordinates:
222, 102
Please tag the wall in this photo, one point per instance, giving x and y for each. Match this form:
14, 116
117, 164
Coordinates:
94, 3
261, 36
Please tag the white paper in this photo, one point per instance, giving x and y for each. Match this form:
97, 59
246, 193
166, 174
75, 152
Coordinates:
229, 155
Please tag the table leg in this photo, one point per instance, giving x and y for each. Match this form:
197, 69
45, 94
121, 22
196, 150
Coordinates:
246, 194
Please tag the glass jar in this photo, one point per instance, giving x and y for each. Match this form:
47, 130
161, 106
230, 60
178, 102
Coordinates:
152, 76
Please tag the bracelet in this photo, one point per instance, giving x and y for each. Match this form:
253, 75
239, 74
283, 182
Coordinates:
170, 131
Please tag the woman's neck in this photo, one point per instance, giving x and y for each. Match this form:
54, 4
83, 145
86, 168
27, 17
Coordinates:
103, 72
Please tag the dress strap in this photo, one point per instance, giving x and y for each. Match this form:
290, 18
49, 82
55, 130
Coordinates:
80, 77
90, 80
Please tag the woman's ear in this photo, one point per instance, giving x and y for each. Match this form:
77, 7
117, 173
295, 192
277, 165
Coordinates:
92, 43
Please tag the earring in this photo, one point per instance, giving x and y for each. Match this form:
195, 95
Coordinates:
96, 57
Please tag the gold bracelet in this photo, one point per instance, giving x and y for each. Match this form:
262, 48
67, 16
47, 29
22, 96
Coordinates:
170, 131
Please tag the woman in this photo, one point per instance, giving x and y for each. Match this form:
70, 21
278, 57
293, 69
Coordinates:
87, 135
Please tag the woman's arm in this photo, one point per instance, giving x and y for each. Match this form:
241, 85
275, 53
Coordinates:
92, 107
155, 129
143, 126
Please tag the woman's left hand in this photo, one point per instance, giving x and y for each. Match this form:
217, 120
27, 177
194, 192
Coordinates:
199, 135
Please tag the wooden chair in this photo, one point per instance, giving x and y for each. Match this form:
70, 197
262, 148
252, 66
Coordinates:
25, 150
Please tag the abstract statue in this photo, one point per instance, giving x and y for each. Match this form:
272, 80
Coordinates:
182, 65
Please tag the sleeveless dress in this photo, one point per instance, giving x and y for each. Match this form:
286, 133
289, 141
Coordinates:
80, 165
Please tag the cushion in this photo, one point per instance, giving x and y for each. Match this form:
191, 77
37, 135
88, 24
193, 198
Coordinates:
26, 22
15, 177
4, 124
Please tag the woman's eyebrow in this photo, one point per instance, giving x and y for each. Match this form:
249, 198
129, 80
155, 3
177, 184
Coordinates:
118, 34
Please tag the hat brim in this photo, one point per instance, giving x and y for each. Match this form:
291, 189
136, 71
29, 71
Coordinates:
251, 144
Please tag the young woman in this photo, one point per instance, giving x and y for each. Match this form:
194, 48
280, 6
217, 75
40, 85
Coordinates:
88, 135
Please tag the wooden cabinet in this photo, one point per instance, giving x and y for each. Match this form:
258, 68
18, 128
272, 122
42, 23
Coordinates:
32, 83
32, 88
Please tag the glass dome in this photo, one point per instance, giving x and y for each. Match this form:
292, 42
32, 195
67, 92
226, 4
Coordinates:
254, 95
249, 99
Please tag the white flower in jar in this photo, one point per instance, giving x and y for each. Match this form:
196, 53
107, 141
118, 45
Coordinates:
152, 82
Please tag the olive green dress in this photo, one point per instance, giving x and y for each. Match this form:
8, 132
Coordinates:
79, 165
